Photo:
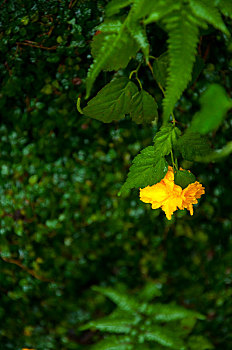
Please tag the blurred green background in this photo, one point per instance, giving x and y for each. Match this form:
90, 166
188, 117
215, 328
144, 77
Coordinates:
63, 228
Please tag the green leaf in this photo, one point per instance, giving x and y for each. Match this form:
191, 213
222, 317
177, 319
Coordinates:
170, 312
165, 139
205, 11
214, 105
138, 33
225, 7
148, 168
150, 291
160, 69
113, 49
112, 102
113, 343
124, 302
182, 44
143, 107
197, 69
110, 325
156, 10
164, 337
161, 64
109, 30
183, 178
196, 342
114, 6
217, 155
193, 145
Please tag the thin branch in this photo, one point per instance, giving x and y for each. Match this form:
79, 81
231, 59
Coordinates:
30, 271
39, 46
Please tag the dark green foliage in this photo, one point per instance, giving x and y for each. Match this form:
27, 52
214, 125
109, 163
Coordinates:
114, 6
148, 168
112, 47
63, 228
183, 178
182, 42
204, 10
143, 107
138, 319
112, 102
214, 105
165, 140
193, 145
160, 69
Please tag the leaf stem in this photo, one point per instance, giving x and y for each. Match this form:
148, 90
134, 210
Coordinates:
140, 85
173, 119
131, 73
79, 105
173, 163
135, 71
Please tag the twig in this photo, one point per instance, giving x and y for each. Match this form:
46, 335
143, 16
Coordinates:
30, 271
31, 44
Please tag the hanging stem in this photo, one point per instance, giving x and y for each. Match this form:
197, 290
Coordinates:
140, 85
136, 75
135, 71
131, 73
173, 119
173, 163
79, 105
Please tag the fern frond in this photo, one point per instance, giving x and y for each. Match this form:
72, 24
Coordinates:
110, 325
138, 33
159, 9
113, 343
123, 301
207, 12
225, 6
170, 312
182, 43
155, 10
115, 6
164, 337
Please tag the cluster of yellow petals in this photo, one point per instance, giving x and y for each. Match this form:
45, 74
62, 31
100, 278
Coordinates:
169, 196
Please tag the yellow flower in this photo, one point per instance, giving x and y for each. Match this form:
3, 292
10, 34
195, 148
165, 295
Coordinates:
169, 197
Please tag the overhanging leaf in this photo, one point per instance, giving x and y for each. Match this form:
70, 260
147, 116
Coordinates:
138, 33
148, 168
196, 342
113, 50
193, 145
205, 11
182, 44
160, 69
112, 102
214, 105
165, 139
115, 6
143, 107
126, 49
183, 178
197, 68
